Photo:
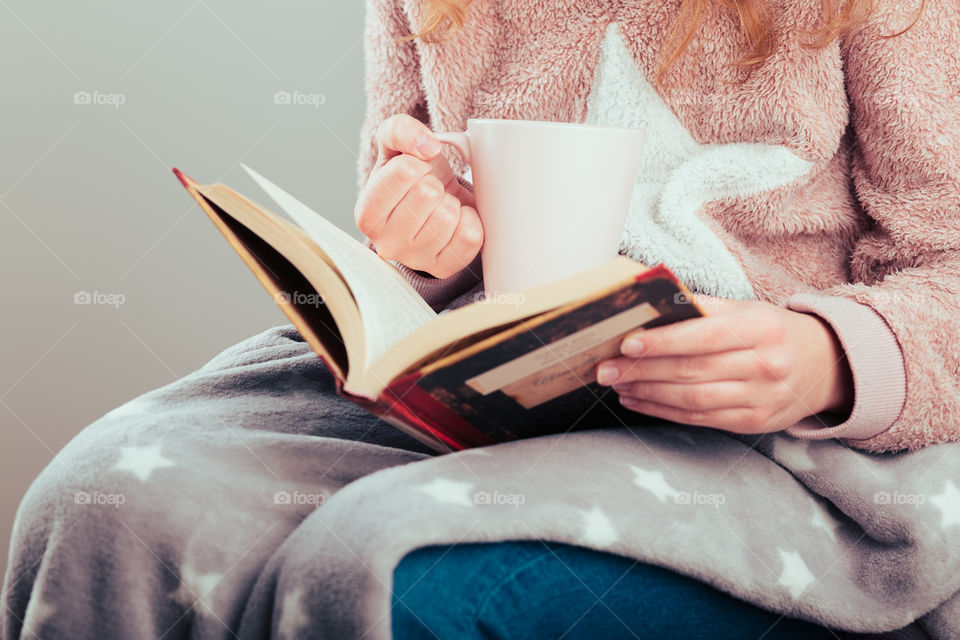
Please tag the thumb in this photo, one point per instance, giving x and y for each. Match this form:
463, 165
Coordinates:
402, 133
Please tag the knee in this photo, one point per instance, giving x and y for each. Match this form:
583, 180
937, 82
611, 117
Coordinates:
457, 591
101, 476
414, 613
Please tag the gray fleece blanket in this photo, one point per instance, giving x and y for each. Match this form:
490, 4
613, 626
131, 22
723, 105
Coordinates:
246, 500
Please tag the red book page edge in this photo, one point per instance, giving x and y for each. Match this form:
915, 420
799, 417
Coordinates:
663, 271
658, 271
405, 396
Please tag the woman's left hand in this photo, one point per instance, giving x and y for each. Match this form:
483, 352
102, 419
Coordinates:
747, 366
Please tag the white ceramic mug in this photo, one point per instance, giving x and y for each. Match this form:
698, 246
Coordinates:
552, 196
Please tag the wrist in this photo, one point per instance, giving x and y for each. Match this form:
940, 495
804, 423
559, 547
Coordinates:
837, 377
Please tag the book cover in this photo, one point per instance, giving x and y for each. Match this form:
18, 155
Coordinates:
539, 378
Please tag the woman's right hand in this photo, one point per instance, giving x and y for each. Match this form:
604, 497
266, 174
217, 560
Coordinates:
413, 209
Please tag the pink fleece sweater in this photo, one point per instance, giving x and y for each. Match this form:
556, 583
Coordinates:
828, 183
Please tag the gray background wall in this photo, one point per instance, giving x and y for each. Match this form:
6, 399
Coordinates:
88, 203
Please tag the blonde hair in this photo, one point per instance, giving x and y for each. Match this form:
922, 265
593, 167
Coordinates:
444, 16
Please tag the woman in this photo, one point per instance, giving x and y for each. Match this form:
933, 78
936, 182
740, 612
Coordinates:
810, 193
748, 73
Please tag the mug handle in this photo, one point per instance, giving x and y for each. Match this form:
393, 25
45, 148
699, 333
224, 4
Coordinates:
460, 140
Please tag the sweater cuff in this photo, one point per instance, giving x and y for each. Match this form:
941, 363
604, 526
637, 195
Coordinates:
876, 361
437, 292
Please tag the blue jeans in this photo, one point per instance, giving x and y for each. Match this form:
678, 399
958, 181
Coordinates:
532, 589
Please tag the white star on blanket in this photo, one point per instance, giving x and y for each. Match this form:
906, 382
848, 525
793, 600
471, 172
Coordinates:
654, 482
195, 588
293, 617
796, 577
38, 612
821, 520
793, 452
142, 461
598, 530
451, 491
679, 175
948, 503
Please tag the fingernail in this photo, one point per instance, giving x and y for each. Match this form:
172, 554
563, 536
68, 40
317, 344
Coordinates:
607, 373
620, 388
627, 401
427, 144
632, 346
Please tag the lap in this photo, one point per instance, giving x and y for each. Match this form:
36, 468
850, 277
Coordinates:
190, 488
187, 493
534, 589
262, 416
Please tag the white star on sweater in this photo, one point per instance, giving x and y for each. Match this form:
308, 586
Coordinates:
679, 175
796, 577
793, 452
948, 503
598, 531
443, 490
142, 461
293, 617
654, 482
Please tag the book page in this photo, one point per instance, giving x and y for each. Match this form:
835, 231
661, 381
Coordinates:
562, 365
261, 233
390, 308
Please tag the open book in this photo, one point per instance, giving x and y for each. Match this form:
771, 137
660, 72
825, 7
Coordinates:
510, 367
